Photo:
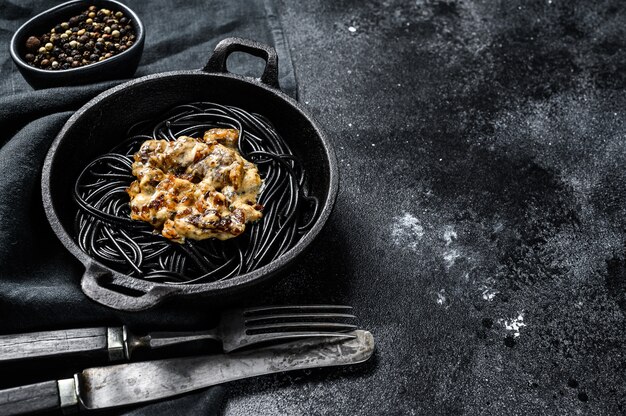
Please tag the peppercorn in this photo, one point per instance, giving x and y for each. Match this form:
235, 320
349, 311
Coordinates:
32, 43
91, 36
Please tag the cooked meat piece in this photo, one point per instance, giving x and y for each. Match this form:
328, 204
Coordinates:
195, 188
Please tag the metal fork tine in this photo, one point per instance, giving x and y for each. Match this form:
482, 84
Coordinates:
296, 307
297, 315
302, 325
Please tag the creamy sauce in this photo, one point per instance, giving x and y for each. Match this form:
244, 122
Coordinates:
195, 188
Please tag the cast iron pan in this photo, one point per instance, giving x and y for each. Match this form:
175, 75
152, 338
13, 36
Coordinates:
102, 123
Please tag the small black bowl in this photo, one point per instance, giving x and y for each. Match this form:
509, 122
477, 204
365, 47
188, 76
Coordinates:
119, 66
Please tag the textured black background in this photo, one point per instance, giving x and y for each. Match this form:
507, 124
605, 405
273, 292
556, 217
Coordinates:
481, 150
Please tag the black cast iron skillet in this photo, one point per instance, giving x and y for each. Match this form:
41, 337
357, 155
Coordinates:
102, 123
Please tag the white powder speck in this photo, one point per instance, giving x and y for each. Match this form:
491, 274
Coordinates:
449, 234
488, 293
441, 297
515, 324
352, 29
407, 231
373, 145
450, 256
306, 102
349, 72
349, 124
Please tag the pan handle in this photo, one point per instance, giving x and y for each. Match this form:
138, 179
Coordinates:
217, 61
111, 290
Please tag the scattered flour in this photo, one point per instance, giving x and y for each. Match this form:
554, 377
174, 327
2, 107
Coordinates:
442, 300
515, 324
407, 231
449, 234
488, 293
450, 256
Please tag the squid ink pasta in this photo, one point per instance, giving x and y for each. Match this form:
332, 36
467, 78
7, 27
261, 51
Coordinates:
104, 230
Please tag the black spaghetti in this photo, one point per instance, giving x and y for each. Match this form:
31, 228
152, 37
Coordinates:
105, 231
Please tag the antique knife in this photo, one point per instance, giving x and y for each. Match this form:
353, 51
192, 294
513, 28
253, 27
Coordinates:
124, 384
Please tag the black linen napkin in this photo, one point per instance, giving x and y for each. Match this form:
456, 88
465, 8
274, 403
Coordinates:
39, 279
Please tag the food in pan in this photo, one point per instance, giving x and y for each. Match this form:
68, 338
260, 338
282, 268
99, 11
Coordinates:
103, 223
195, 188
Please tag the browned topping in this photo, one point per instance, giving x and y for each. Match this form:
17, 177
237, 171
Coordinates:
195, 188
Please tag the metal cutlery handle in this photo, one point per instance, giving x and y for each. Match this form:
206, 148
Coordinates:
64, 342
38, 397
117, 342
165, 339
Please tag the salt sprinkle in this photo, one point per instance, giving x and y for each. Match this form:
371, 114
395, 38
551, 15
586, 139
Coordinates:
450, 257
407, 231
441, 297
488, 293
515, 324
448, 235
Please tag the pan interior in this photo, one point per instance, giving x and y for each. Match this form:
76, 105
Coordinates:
103, 124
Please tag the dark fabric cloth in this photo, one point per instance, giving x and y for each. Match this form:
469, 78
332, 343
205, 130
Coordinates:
39, 279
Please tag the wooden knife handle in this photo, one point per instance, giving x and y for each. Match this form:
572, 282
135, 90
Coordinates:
53, 343
29, 399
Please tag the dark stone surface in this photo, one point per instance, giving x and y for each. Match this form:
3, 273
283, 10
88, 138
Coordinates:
481, 147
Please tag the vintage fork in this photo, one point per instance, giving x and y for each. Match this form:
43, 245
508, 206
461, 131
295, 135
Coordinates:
237, 329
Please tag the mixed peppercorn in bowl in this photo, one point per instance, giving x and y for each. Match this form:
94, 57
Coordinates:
79, 42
